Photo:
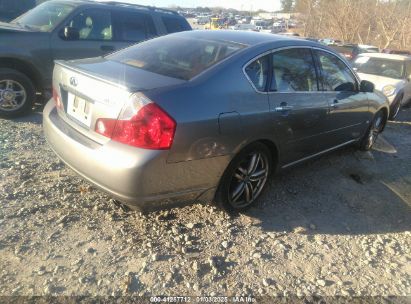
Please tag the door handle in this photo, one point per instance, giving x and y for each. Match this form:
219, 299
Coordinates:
107, 48
283, 108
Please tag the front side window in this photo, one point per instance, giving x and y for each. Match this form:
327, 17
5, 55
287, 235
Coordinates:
336, 76
257, 72
45, 17
293, 71
133, 26
177, 57
93, 24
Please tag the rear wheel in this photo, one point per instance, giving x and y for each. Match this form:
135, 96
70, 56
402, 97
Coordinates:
17, 93
373, 131
245, 178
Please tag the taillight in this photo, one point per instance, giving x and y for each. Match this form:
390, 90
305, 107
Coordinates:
141, 124
57, 98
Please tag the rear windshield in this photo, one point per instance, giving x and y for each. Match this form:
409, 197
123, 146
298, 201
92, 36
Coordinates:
176, 57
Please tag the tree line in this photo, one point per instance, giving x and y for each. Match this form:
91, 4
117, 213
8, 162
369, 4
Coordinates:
384, 23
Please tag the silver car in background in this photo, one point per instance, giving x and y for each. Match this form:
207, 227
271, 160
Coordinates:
206, 115
391, 74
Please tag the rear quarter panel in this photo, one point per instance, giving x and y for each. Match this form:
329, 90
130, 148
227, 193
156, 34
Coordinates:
217, 114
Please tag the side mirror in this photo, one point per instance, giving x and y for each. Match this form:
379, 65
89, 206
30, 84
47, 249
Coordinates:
366, 86
70, 33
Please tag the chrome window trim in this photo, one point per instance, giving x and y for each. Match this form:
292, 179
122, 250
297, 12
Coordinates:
294, 47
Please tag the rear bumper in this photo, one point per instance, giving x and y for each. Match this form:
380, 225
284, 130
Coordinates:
134, 176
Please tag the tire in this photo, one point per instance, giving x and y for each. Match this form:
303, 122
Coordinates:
17, 93
245, 178
396, 107
373, 131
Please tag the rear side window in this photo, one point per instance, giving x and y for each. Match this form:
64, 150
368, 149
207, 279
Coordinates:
176, 57
293, 71
336, 76
133, 26
174, 24
257, 72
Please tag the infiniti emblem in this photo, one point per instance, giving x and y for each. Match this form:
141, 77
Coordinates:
73, 81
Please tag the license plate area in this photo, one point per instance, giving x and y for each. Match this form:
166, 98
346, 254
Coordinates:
79, 109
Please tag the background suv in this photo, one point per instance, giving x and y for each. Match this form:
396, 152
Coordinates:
63, 29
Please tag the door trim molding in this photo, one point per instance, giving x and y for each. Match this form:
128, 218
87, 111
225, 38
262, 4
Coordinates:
318, 154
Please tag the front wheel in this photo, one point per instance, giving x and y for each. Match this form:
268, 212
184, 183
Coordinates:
245, 178
373, 131
17, 93
396, 107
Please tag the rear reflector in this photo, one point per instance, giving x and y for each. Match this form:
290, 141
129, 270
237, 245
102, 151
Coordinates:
57, 98
142, 124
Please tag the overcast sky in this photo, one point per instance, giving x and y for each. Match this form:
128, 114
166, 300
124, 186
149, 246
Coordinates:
247, 5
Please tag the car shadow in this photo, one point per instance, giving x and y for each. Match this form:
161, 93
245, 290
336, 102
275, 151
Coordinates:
345, 192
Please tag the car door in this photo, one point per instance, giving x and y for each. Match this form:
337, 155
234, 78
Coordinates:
348, 115
298, 109
95, 35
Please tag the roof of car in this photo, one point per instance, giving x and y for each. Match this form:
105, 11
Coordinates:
386, 56
119, 4
243, 37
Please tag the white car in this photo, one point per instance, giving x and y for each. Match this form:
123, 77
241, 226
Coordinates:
391, 74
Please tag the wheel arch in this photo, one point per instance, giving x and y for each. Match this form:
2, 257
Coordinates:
269, 143
25, 68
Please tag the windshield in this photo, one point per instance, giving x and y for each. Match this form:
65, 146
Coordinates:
176, 57
44, 17
380, 66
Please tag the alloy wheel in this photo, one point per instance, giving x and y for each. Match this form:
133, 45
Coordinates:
12, 95
248, 180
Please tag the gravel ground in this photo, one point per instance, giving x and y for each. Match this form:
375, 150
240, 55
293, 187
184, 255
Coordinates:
337, 225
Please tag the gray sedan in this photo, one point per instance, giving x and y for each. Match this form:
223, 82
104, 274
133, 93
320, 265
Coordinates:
206, 115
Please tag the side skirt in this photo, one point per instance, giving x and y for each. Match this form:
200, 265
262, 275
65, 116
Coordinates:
318, 154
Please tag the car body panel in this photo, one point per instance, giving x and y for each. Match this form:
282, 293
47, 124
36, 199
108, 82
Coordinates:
133, 175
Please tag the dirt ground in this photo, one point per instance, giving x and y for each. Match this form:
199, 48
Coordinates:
337, 225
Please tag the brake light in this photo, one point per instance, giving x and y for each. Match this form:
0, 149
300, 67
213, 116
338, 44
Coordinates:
141, 124
57, 99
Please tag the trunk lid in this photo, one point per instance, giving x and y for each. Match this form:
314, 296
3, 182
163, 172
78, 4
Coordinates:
98, 88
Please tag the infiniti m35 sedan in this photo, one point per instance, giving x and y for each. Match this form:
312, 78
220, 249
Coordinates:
206, 115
